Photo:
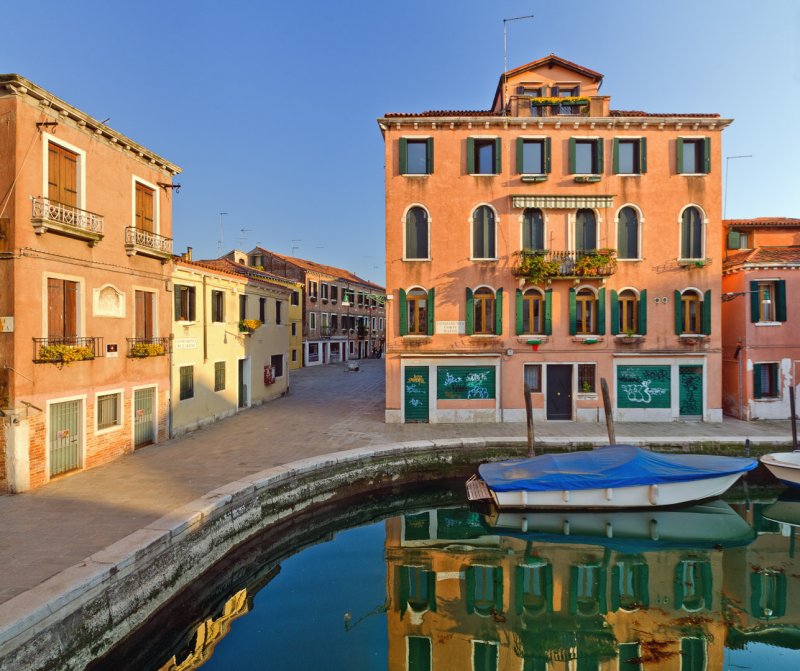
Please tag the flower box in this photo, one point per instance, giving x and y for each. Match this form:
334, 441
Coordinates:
249, 325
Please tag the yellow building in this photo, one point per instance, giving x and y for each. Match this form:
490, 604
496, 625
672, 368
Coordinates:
231, 329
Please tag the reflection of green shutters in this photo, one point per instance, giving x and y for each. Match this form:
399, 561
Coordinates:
484, 656
498, 589
403, 310
573, 312
548, 312
469, 322
601, 312
572, 155
430, 577
614, 311
403, 589
780, 301
469, 587
498, 312
403, 156
419, 653
519, 588
518, 311
693, 654
678, 312
470, 156
642, 308
573, 589
707, 312
627, 653
430, 303
483, 582
767, 594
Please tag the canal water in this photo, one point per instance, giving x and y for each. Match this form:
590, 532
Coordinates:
420, 581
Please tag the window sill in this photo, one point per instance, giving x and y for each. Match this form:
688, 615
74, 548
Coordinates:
415, 174
693, 262
109, 429
483, 174
526, 339
628, 174
489, 260
587, 179
533, 178
586, 396
416, 260
636, 260
767, 323
588, 339
416, 336
693, 174
486, 336
630, 339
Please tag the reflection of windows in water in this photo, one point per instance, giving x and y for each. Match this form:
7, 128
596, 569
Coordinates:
484, 589
585, 589
693, 584
419, 653
628, 652
693, 654
417, 589
629, 586
534, 585
484, 656
417, 527
768, 594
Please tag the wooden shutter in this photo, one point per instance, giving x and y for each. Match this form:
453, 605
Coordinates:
547, 155
55, 308
53, 168
518, 312
191, 304
706, 155
469, 321
144, 314
614, 311
145, 218
600, 154
756, 380
643, 155
62, 175
678, 312
403, 309
429, 154
642, 309
403, 156
780, 301
572, 155
707, 312
548, 312
498, 312
430, 318
755, 302
498, 162
177, 302
70, 309
470, 156
615, 157
554, 91
573, 319
520, 147
679, 154
601, 312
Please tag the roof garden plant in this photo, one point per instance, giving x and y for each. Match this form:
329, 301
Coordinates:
596, 263
534, 267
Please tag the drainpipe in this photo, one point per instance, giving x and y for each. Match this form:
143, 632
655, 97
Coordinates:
205, 324
502, 411
741, 380
171, 386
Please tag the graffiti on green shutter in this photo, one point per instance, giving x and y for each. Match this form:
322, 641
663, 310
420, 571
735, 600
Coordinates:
690, 382
416, 394
643, 387
465, 382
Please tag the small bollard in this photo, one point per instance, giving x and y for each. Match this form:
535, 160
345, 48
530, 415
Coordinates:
747, 447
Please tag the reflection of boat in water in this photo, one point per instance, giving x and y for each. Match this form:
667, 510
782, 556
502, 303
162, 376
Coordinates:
708, 525
617, 476
785, 466
786, 510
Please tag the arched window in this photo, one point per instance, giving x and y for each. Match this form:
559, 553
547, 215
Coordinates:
484, 311
691, 312
532, 229
629, 589
628, 234
417, 233
534, 588
417, 302
693, 584
585, 589
586, 312
692, 234
483, 233
585, 231
532, 312
628, 312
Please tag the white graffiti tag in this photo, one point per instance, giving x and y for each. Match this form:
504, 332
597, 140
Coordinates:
642, 392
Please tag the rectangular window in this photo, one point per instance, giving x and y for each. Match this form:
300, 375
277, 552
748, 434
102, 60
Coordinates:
294, 328
295, 298
278, 312
484, 306
184, 303
312, 289
483, 156
334, 293
766, 302
62, 175
416, 156
380, 322
219, 375
533, 157
765, 380
242, 307
585, 313
217, 306
532, 312
533, 377
294, 356
145, 213
694, 155
62, 308
312, 321
629, 156
108, 411
692, 317
585, 157
323, 288
586, 378
276, 361
262, 310
186, 382
628, 313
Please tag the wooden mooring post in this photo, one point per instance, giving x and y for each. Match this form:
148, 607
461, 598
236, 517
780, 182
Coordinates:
612, 436
529, 419
794, 417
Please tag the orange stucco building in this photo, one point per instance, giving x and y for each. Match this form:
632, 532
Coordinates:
85, 305
556, 241
760, 347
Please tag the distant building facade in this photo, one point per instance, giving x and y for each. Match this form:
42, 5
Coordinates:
760, 316
344, 316
85, 253
553, 241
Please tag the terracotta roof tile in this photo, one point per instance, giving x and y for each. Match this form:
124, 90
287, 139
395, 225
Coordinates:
239, 270
767, 222
322, 268
440, 113
552, 58
763, 256
667, 115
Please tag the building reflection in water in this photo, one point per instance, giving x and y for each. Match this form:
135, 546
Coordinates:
582, 591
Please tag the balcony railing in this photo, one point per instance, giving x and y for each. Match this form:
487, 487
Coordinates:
542, 265
139, 348
522, 106
66, 350
147, 243
326, 331
50, 215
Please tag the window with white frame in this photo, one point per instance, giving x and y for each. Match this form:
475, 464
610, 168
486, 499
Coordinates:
628, 233
109, 411
587, 376
417, 233
312, 321
483, 233
533, 377
692, 242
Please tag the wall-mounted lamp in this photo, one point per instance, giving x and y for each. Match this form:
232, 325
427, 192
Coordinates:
167, 185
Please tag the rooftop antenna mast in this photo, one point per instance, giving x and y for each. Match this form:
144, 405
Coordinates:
295, 246
221, 234
505, 52
243, 235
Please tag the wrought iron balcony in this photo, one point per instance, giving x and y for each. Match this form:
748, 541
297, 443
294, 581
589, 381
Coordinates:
147, 243
326, 331
139, 348
543, 265
66, 350
50, 215
522, 106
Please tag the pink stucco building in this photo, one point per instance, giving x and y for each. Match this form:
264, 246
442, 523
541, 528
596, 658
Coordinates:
554, 240
85, 304
760, 316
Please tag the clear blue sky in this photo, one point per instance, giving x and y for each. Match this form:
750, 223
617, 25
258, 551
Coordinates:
270, 107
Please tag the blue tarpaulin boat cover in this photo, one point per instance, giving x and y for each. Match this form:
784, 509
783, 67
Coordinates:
613, 466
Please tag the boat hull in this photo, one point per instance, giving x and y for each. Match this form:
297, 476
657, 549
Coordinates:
785, 466
639, 496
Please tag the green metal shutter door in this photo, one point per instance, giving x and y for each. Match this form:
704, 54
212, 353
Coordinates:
65, 436
417, 393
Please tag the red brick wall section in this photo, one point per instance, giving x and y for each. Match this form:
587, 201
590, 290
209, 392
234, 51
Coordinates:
3, 477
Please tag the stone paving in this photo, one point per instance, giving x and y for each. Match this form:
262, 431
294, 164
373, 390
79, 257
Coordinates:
327, 410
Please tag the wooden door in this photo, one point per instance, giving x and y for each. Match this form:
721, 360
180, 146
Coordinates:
62, 308
559, 391
417, 395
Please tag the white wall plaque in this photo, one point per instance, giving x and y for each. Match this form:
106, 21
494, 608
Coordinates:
185, 343
6, 324
456, 328
108, 301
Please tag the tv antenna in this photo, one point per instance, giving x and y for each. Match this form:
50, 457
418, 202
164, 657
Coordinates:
505, 52
295, 246
243, 235
221, 234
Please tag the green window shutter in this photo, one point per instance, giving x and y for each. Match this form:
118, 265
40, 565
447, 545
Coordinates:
707, 155
707, 312
430, 303
177, 296
643, 155
519, 577
547, 155
734, 239
615, 157
469, 322
774, 376
756, 380
679, 154
601, 312
429, 154
498, 161
780, 298
403, 309
403, 156
780, 598
614, 312
602, 588
548, 312
520, 166
430, 577
573, 309
403, 599
755, 299
548, 576
469, 584
573, 589
572, 155
616, 574
497, 577
642, 308
518, 311
678, 313
470, 156
708, 592
498, 312
599, 144
677, 585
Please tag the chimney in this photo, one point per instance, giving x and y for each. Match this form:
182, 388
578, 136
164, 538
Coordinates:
188, 255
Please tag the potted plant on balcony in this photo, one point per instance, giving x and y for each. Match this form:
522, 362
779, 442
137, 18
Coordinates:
247, 326
144, 349
65, 354
597, 263
534, 267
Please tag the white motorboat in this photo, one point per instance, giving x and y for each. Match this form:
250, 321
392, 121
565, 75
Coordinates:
785, 466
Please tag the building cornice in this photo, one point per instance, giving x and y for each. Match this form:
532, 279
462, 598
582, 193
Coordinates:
20, 86
688, 123
744, 267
